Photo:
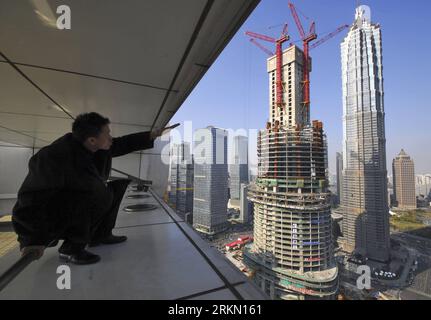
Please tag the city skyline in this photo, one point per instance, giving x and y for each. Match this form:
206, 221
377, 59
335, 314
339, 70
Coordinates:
245, 100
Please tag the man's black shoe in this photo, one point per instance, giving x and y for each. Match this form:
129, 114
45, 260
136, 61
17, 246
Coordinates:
108, 240
81, 257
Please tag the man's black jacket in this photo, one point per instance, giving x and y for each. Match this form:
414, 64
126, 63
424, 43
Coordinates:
67, 167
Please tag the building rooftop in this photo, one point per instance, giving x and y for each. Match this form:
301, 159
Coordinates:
402, 155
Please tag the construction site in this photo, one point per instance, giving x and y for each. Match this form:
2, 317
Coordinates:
292, 253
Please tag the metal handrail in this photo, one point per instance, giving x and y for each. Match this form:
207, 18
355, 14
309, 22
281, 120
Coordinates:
144, 182
17, 268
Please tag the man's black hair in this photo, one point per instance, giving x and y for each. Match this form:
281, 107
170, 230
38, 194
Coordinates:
88, 125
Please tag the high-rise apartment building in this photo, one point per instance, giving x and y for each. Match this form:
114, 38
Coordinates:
403, 172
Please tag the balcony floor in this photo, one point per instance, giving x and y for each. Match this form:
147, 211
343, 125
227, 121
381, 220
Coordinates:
164, 258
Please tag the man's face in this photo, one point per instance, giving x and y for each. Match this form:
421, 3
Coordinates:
103, 141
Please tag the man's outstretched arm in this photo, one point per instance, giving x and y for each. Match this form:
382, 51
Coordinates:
132, 142
136, 141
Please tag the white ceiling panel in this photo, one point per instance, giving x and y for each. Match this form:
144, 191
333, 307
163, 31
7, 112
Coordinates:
11, 136
131, 40
120, 102
17, 95
133, 61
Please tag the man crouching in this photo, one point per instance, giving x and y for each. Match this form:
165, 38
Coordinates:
65, 194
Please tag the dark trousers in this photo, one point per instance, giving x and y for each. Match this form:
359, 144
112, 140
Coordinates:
91, 218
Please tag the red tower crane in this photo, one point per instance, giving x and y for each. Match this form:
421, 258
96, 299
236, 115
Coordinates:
279, 58
306, 39
279, 77
329, 36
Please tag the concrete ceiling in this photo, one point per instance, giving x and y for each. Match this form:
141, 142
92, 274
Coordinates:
133, 61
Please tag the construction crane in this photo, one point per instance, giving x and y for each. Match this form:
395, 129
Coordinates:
279, 58
329, 36
306, 40
279, 86
268, 52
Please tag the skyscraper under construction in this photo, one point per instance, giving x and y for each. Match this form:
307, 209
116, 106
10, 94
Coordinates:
292, 254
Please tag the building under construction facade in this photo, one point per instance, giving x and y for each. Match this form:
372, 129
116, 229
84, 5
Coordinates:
292, 254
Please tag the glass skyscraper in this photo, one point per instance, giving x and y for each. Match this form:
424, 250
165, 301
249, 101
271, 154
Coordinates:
364, 201
210, 180
239, 169
181, 179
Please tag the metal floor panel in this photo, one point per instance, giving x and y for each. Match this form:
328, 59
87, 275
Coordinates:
140, 208
131, 219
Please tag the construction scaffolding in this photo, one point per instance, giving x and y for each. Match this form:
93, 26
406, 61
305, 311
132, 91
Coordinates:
292, 216
292, 254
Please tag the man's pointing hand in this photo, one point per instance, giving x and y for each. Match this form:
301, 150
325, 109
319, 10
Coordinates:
158, 132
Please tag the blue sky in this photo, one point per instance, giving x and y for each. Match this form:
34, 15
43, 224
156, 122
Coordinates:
234, 92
